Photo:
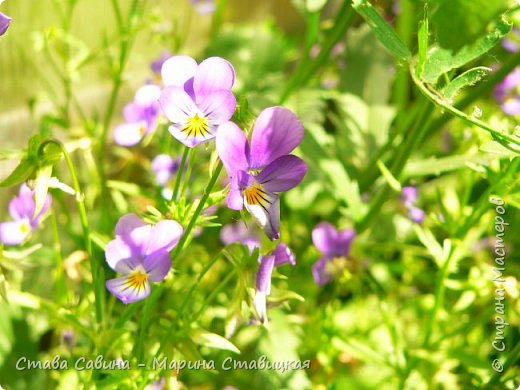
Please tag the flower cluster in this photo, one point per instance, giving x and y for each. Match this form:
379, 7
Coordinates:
333, 244
24, 220
409, 199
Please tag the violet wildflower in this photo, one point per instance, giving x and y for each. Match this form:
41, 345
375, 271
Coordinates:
164, 168
24, 222
156, 65
333, 244
263, 167
507, 93
140, 116
409, 197
5, 21
197, 98
204, 7
282, 254
141, 253
238, 232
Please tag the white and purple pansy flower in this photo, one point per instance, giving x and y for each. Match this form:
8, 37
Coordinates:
140, 252
197, 98
263, 167
140, 116
21, 209
332, 244
282, 254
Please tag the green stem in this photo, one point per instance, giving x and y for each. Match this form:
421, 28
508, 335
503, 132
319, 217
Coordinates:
187, 177
180, 173
514, 356
97, 272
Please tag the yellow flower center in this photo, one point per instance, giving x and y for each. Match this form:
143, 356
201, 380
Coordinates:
256, 195
137, 278
25, 227
196, 125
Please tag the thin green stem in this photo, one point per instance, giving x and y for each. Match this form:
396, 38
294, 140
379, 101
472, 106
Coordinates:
187, 177
213, 294
514, 356
180, 173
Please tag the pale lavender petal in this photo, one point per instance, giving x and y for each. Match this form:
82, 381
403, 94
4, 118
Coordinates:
157, 265
319, 272
120, 256
134, 232
267, 215
218, 106
409, 195
511, 106
263, 276
157, 64
15, 232
283, 254
232, 148
277, 131
177, 105
5, 21
164, 167
282, 174
324, 237
125, 291
163, 236
416, 214
148, 95
213, 74
178, 71
46, 205
204, 7
234, 199
130, 134
22, 206
510, 45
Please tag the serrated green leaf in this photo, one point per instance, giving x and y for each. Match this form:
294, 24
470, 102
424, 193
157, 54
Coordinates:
383, 31
212, 340
21, 173
468, 78
442, 60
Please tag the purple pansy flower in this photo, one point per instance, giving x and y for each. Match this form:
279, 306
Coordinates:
507, 93
282, 254
156, 65
140, 116
263, 167
204, 7
332, 243
21, 209
5, 21
164, 168
197, 98
238, 232
141, 253
409, 197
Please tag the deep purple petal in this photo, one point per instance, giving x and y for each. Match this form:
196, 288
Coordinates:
157, 64
213, 74
282, 174
232, 148
267, 215
15, 232
319, 272
5, 21
218, 107
263, 276
130, 134
123, 290
277, 131
178, 71
163, 236
283, 254
157, 265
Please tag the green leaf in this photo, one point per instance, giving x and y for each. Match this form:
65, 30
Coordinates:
383, 31
442, 60
3, 290
468, 78
21, 173
495, 147
390, 179
422, 36
50, 154
33, 148
212, 340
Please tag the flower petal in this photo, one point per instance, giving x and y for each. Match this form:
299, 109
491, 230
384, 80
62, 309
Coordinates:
177, 105
126, 291
129, 134
263, 276
283, 254
319, 272
232, 148
15, 232
119, 256
134, 232
157, 265
5, 21
282, 174
218, 106
22, 206
239, 232
331, 242
267, 215
147, 95
178, 71
277, 131
163, 236
234, 200
213, 74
